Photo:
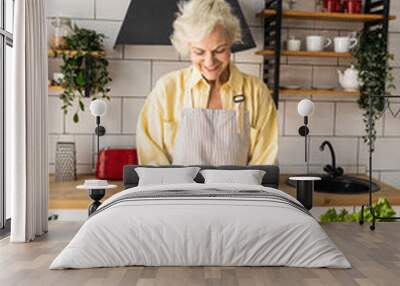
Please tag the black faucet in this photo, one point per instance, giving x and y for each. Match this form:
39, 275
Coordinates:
332, 170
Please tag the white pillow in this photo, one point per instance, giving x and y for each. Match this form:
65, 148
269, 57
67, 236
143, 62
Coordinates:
162, 176
249, 177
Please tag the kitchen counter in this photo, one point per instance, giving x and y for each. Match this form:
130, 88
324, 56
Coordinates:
63, 195
330, 199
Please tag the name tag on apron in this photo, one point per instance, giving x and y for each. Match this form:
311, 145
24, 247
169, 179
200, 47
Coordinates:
239, 106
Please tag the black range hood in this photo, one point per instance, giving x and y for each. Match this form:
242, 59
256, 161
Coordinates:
149, 22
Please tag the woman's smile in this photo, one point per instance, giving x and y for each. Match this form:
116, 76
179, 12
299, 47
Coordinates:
212, 69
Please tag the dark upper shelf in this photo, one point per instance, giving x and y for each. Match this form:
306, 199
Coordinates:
324, 16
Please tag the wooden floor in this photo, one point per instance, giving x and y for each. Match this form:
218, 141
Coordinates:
374, 255
64, 195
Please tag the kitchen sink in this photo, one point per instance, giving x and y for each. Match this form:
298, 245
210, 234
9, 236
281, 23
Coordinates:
339, 185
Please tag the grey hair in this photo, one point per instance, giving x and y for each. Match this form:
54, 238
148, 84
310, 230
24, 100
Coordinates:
196, 19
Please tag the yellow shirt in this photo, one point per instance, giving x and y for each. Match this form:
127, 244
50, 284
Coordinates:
159, 119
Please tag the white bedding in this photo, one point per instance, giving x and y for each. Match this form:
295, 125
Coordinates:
200, 231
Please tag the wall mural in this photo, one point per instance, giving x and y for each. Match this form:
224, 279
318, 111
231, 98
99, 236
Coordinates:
210, 113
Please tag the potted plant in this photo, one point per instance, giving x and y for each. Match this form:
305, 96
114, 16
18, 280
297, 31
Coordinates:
376, 79
85, 69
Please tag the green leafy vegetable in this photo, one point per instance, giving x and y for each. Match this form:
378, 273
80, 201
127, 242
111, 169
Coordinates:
382, 208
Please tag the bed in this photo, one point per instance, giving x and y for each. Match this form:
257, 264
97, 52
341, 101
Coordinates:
198, 224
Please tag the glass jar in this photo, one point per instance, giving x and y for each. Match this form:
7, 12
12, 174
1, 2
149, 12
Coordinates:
62, 28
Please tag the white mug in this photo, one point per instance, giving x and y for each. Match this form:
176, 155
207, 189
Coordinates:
293, 44
344, 44
317, 43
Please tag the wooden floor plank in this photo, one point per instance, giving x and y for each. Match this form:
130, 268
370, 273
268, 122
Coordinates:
375, 257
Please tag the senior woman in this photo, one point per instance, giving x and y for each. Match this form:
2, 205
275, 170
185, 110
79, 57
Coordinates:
210, 113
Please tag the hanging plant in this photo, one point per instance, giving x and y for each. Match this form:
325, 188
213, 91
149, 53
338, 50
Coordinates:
85, 69
375, 74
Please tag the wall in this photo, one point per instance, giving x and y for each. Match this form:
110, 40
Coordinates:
135, 69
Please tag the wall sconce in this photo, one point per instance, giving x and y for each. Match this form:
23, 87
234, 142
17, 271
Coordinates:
305, 108
98, 109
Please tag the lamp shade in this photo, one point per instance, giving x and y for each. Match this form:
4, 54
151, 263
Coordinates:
305, 107
98, 107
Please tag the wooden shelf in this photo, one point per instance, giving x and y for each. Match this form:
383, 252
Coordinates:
55, 89
318, 92
323, 54
55, 53
324, 16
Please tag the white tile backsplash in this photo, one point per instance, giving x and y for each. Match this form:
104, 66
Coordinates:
386, 155
71, 8
56, 124
85, 169
296, 75
349, 120
325, 77
291, 151
130, 78
396, 75
292, 119
281, 115
394, 26
392, 119
394, 40
131, 110
339, 25
150, 52
391, 178
86, 123
161, 68
111, 10
322, 120
117, 141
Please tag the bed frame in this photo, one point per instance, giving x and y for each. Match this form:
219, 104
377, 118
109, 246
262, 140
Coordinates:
270, 179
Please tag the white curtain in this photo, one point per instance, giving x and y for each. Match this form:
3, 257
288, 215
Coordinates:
27, 123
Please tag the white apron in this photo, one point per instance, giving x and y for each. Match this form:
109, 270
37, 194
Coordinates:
211, 136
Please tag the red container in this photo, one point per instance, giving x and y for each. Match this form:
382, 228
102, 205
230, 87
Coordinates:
332, 6
111, 163
353, 6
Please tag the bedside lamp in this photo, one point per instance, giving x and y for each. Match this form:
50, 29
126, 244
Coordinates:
305, 184
305, 108
98, 108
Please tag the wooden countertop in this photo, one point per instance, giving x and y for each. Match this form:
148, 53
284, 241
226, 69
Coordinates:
329, 199
64, 195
